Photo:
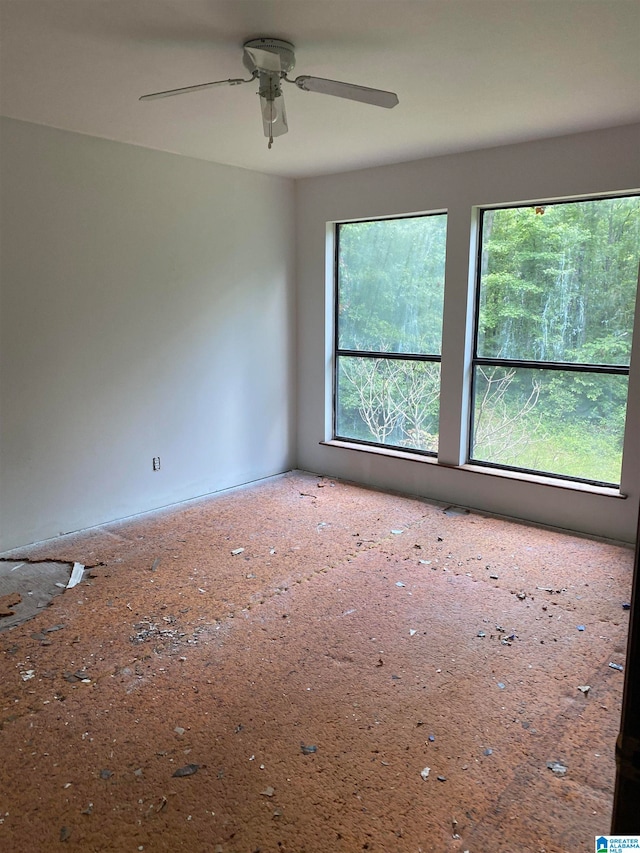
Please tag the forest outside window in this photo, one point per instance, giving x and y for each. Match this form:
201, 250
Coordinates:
388, 330
554, 319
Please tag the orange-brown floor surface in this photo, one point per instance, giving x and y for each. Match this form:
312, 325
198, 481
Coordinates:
289, 697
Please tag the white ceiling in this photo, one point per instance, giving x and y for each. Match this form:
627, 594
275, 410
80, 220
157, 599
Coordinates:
469, 74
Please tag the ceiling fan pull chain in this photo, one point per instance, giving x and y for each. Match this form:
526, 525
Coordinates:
270, 142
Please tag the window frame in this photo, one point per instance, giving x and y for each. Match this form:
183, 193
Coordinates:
567, 367
339, 352
458, 354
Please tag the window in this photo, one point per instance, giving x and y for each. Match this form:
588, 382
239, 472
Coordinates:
554, 319
549, 373
388, 331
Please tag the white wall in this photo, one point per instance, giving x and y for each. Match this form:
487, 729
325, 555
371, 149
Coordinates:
582, 164
147, 309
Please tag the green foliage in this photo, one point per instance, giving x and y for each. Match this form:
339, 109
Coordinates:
558, 282
391, 285
390, 296
556, 422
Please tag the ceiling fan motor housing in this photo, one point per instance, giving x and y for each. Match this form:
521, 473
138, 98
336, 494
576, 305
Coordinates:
284, 49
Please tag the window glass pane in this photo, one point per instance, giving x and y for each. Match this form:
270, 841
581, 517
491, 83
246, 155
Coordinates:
558, 281
391, 285
552, 421
388, 401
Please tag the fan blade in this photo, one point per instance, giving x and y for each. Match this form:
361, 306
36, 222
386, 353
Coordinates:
264, 60
274, 117
170, 92
377, 97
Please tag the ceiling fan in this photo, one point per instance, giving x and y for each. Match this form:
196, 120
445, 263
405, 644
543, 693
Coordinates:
269, 60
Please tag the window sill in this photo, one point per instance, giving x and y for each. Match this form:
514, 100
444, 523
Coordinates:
475, 468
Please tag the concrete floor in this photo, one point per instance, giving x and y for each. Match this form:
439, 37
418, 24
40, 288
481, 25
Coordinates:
304, 683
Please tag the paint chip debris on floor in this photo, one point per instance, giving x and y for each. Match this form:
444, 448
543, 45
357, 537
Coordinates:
26, 587
340, 700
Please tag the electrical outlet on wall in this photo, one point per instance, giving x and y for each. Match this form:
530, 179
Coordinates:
156, 463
